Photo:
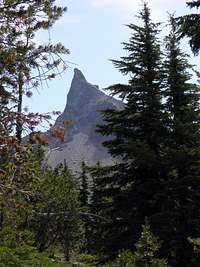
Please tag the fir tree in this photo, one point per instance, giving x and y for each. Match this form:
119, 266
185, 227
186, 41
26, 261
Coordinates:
57, 220
147, 247
84, 203
137, 135
180, 213
100, 207
84, 192
96, 198
190, 26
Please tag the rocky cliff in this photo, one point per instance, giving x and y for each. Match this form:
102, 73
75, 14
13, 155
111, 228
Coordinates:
80, 141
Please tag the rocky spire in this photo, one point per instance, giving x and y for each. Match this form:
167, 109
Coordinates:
81, 141
78, 75
81, 92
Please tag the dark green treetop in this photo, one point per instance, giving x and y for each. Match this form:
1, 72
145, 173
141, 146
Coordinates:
190, 27
140, 120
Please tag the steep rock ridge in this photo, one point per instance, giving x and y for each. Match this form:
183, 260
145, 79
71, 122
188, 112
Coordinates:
79, 119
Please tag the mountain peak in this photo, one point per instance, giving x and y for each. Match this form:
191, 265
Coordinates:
81, 142
81, 92
78, 75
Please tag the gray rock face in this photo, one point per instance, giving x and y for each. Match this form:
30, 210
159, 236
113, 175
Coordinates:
79, 120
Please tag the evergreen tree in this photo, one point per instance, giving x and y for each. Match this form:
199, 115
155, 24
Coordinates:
39, 207
146, 249
180, 214
57, 220
137, 135
84, 204
25, 65
145, 255
17, 198
84, 192
100, 210
190, 26
96, 196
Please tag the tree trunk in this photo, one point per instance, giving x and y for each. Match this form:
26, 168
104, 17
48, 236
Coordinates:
67, 254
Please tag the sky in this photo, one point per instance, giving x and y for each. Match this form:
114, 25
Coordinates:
93, 31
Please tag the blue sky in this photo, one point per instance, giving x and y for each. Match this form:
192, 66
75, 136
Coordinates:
93, 31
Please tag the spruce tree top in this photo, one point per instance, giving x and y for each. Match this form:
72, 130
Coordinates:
190, 27
141, 118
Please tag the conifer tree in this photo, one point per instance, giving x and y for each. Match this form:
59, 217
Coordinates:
17, 201
84, 193
190, 26
137, 135
84, 203
180, 213
100, 209
57, 212
96, 197
147, 247
25, 64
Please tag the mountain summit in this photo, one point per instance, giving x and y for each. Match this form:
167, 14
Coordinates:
81, 115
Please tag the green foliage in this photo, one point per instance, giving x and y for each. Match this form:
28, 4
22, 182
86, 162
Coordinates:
57, 212
19, 180
100, 207
87, 259
9, 257
144, 256
43, 209
137, 132
181, 152
25, 64
27, 256
18, 187
189, 26
84, 190
156, 140
29, 190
